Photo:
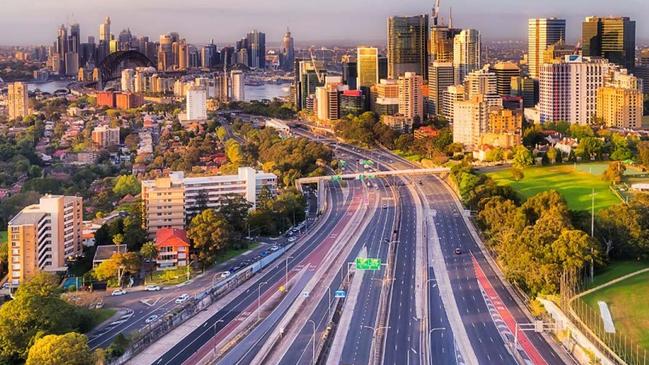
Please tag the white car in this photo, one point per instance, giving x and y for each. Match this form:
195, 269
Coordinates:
118, 292
292, 239
274, 248
225, 274
151, 319
152, 288
182, 299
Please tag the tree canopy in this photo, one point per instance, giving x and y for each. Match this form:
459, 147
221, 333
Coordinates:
69, 349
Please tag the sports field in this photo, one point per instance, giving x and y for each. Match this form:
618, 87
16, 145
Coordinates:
627, 302
574, 182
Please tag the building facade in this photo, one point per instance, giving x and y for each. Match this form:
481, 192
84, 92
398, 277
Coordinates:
104, 136
612, 38
367, 63
440, 77
43, 236
541, 33
17, 100
467, 53
168, 202
411, 97
407, 46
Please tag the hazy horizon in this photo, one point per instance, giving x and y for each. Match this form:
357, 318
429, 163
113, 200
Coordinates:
362, 21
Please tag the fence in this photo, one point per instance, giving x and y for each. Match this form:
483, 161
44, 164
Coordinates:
619, 348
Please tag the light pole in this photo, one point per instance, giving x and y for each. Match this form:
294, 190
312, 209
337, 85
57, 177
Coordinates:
286, 273
436, 329
215, 323
259, 299
313, 339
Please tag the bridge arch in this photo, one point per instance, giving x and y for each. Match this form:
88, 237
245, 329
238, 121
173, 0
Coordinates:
112, 63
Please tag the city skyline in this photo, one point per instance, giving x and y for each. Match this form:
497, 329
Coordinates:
224, 23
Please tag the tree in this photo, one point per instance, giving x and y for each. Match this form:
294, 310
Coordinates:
149, 251
552, 154
234, 209
643, 153
126, 184
614, 172
116, 266
221, 133
589, 148
69, 349
517, 174
522, 158
36, 309
118, 239
210, 234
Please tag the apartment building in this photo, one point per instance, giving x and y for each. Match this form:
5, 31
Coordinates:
104, 136
42, 236
169, 201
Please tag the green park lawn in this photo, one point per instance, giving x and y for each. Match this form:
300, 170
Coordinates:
3, 236
575, 185
627, 301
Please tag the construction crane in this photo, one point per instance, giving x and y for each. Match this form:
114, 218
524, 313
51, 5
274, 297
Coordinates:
436, 13
315, 67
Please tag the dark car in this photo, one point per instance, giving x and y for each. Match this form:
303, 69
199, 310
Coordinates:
458, 251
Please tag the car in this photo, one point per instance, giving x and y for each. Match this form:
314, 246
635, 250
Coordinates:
118, 292
274, 248
182, 299
225, 274
292, 239
152, 288
151, 318
99, 305
385, 206
458, 251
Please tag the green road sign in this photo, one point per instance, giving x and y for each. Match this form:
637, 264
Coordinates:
336, 178
368, 264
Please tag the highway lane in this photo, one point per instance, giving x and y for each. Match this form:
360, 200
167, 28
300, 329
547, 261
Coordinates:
374, 239
402, 344
187, 347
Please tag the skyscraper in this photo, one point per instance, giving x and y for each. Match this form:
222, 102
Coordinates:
287, 57
104, 32
505, 71
441, 38
367, 61
612, 38
256, 46
440, 77
238, 93
196, 103
18, 100
165, 58
350, 74
466, 53
407, 45
542, 33
411, 97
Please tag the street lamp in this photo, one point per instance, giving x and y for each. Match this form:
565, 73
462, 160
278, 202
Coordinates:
259, 299
313, 339
215, 323
286, 273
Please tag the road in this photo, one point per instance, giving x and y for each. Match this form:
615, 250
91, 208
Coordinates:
237, 307
373, 238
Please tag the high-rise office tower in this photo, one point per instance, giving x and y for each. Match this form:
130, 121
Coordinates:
18, 100
287, 57
256, 45
466, 53
165, 57
542, 33
568, 90
527, 88
208, 55
482, 82
411, 97
196, 103
441, 38
75, 38
612, 38
504, 72
440, 77
104, 33
238, 83
407, 45
350, 74
367, 63
383, 67
183, 55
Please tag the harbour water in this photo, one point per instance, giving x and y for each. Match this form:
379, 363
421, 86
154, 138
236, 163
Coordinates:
265, 91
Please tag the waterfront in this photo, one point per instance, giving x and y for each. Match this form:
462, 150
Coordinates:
265, 91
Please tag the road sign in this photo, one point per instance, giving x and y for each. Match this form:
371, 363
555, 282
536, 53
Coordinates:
368, 264
340, 294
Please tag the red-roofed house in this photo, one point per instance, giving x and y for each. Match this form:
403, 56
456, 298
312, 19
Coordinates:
173, 248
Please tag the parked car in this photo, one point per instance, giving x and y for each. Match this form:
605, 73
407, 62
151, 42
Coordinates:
274, 248
292, 239
152, 288
458, 251
151, 318
225, 274
182, 299
118, 292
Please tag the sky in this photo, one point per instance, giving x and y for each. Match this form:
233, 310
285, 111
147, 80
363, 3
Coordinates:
29, 22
